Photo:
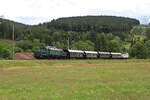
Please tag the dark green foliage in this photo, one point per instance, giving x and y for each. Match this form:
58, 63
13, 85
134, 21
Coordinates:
115, 45
104, 24
28, 46
98, 33
36, 32
147, 32
5, 49
94, 24
6, 29
92, 36
83, 45
17, 49
148, 47
108, 42
137, 30
24, 44
102, 42
139, 50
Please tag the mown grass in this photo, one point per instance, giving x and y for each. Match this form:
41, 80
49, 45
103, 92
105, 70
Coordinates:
75, 80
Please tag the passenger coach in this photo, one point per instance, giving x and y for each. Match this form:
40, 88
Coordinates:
49, 52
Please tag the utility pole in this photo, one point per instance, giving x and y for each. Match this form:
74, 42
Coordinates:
13, 39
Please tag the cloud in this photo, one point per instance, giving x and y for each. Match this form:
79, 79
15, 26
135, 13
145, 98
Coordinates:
32, 20
35, 11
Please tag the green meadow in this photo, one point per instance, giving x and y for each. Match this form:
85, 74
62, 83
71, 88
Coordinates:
75, 80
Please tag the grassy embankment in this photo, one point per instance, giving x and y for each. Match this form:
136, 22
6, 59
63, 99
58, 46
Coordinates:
75, 80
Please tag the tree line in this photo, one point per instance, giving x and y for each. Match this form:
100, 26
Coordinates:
99, 33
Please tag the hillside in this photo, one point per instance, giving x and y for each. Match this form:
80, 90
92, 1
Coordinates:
104, 24
99, 33
6, 29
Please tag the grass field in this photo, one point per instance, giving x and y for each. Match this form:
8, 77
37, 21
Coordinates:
75, 80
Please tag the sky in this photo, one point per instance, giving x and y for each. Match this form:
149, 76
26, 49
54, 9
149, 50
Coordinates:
39, 11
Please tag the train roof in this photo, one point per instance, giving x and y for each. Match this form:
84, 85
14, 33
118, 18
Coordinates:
104, 52
53, 48
92, 52
78, 51
115, 53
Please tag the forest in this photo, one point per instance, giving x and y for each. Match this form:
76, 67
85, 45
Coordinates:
99, 33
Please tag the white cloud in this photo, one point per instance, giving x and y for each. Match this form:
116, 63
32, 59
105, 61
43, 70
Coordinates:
35, 11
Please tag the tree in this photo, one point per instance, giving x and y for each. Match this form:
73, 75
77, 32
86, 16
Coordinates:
139, 51
147, 32
115, 45
96, 23
83, 45
137, 30
92, 36
148, 47
28, 45
101, 42
5, 50
25, 45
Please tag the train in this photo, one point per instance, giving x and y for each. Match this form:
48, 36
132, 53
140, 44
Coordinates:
49, 52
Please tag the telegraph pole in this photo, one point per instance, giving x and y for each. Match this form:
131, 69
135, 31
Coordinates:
13, 39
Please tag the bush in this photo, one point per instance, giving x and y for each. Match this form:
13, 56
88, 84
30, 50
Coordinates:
148, 47
27, 45
83, 45
139, 51
5, 53
35, 49
115, 45
17, 49
24, 44
5, 50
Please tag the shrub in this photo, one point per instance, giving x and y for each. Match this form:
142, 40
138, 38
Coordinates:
17, 49
139, 51
5, 50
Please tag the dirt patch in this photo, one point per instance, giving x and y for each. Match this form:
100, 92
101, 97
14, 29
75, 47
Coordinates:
24, 56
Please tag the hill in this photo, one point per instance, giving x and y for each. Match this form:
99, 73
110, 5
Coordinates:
6, 29
104, 24
99, 33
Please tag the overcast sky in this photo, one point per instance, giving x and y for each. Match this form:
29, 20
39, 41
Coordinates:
36, 11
